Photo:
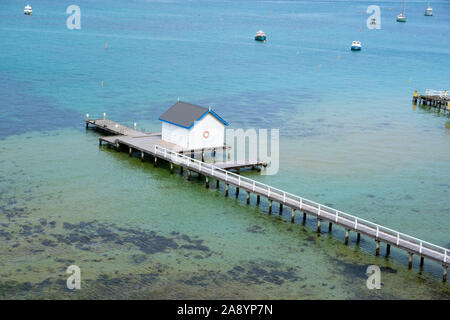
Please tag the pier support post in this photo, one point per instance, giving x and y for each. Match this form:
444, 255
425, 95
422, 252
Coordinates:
347, 235
248, 197
388, 250
214, 152
281, 209
217, 184
319, 221
422, 258
117, 147
410, 261
203, 155
330, 227
207, 182
358, 238
155, 162
270, 207
377, 250
130, 151
142, 155
292, 215
304, 217
189, 175
227, 187
237, 192
171, 168
100, 142
444, 275
258, 199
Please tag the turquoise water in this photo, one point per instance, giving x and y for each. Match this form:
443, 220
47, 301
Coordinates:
349, 137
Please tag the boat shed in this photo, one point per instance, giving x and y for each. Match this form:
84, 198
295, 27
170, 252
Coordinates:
193, 127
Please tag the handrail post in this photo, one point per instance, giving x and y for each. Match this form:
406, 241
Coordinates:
337, 216
356, 224
378, 231
398, 238
301, 203
284, 196
420, 249
239, 181
318, 213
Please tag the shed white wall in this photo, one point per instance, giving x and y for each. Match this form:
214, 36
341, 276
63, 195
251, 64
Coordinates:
175, 134
216, 131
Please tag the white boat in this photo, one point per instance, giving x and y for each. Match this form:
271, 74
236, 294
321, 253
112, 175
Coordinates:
356, 45
401, 17
28, 10
429, 10
260, 36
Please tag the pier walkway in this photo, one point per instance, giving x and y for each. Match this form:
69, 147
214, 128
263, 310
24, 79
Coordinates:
434, 98
150, 144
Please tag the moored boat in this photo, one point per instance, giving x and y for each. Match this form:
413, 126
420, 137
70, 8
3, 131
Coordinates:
356, 46
401, 17
28, 10
260, 36
429, 10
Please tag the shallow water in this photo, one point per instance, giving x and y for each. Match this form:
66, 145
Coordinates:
349, 137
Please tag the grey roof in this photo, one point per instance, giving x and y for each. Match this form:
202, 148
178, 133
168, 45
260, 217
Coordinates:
185, 114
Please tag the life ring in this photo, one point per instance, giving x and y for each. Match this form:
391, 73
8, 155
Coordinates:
206, 134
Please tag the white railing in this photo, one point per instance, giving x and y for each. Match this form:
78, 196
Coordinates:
439, 93
295, 201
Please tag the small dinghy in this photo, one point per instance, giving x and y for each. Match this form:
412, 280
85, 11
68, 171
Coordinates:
260, 36
356, 46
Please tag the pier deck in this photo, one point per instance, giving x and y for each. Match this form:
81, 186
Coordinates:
437, 99
151, 144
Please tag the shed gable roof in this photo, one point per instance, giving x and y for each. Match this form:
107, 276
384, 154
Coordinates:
185, 115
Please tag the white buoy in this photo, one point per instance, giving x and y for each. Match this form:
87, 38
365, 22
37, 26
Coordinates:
135, 126
104, 115
87, 116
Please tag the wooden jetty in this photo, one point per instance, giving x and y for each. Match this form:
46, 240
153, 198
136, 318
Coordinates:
434, 98
152, 145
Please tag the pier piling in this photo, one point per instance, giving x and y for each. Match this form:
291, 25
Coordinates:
292, 215
330, 227
388, 250
227, 188
410, 261
377, 250
281, 209
318, 224
444, 275
358, 238
258, 199
207, 182
248, 197
270, 207
347, 235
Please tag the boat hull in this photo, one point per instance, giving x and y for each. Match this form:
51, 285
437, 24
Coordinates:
260, 38
403, 19
356, 48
